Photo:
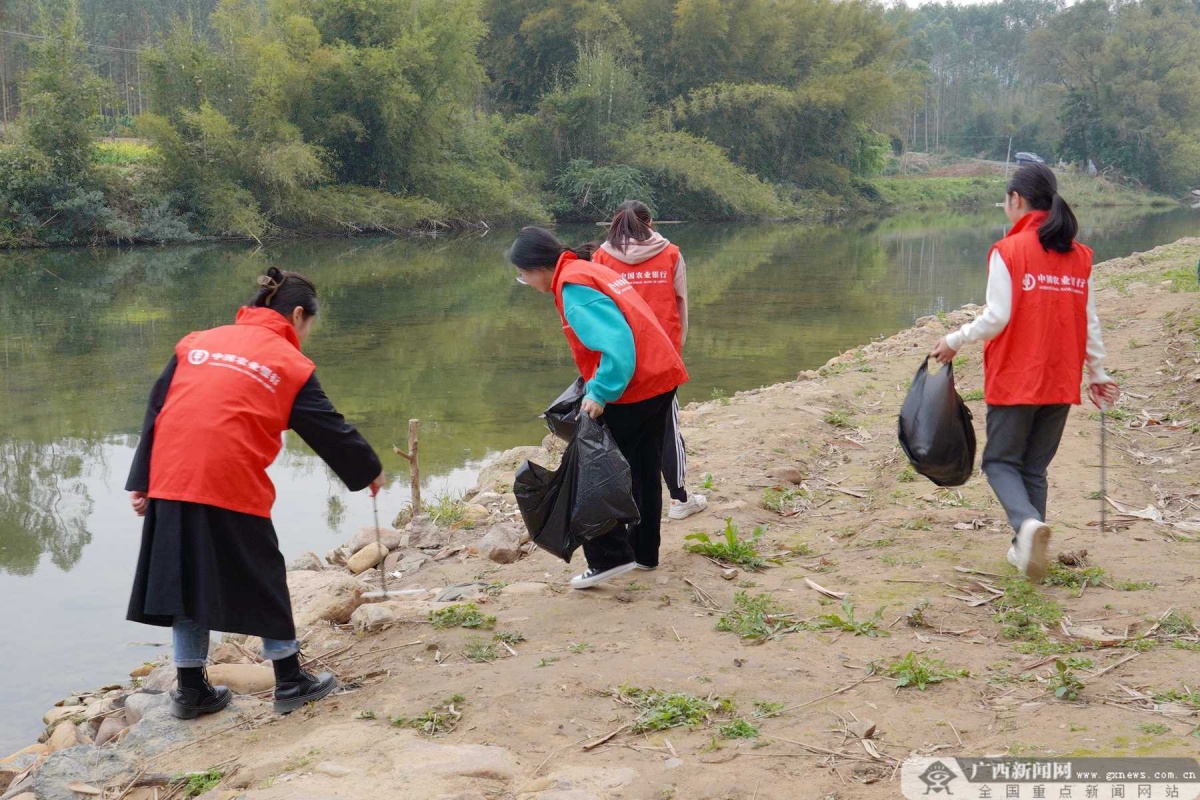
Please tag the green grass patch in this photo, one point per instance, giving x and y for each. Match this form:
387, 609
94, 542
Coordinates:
1185, 696
1133, 586
1177, 623
1077, 579
1024, 614
919, 672
764, 709
759, 618
973, 396
661, 711
437, 721
730, 548
844, 620
918, 524
707, 482
1154, 728
785, 501
839, 418
479, 652
738, 729
907, 475
198, 783
122, 153
446, 510
1065, 684
463, 615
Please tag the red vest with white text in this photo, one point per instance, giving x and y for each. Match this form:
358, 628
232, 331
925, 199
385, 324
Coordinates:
1038, 358
658, 367
228, 405
654, 280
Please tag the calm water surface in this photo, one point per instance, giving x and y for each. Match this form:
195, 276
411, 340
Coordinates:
435, 330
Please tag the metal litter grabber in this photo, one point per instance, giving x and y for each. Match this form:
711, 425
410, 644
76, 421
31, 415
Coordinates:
379, 597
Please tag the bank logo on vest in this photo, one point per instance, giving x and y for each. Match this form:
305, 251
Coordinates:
197, 357
1028, 283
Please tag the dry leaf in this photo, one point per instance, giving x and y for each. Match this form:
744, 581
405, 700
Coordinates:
863, 729
84, 788
827, 592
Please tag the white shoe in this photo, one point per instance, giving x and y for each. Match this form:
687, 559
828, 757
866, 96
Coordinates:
693, 505
1030, 553
590, 578
644, 568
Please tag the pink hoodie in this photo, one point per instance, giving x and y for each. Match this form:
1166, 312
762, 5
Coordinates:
639, 252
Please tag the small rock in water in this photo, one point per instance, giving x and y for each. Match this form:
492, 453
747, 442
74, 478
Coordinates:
366, 558
388, 537
308, 561
242, 678
143, 671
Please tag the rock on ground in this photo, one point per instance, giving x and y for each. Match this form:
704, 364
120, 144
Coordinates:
388, 537
323, 597
57, 715
308, 561
502, 543
424, 533
64, 737
466, 760
242, 678
110, 727
137, 704
374, 618
366, 558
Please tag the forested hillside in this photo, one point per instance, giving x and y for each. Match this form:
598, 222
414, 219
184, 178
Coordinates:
255, 117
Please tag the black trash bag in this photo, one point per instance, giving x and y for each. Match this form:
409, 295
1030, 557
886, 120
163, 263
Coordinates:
562, 415
589, 495
935, 428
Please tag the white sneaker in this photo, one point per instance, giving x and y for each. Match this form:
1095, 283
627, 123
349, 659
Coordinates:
590, 578
1030, 553
693, 505
644, 568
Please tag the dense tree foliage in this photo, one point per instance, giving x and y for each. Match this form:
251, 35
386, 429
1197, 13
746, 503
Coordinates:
332, 116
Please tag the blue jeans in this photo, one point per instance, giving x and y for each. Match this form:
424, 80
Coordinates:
191, 645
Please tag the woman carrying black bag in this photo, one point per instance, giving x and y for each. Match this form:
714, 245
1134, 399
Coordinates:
632, 371
1041, 328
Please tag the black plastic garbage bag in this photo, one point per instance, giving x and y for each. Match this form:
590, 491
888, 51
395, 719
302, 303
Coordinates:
935, 428
563, 413
588, 496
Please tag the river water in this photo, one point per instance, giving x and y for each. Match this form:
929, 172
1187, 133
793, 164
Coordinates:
436, 330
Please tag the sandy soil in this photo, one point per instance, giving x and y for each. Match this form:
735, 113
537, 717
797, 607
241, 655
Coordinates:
863, 526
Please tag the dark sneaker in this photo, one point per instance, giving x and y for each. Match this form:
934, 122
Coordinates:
192, 703
296, 694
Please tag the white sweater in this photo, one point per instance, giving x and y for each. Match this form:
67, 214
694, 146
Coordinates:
994, 319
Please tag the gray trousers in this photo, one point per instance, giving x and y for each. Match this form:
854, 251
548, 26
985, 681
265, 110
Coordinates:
1021, 443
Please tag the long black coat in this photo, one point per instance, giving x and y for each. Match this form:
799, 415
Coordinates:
221, 568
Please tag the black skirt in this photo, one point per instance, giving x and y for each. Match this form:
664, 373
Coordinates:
220, 568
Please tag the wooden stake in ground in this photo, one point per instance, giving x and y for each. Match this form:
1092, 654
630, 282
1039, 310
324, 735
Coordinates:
414, 464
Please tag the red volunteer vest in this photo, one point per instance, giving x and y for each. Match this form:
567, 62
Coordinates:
659, 368
654, 280
1038, 358
223, 421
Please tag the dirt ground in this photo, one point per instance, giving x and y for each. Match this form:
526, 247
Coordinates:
858, 522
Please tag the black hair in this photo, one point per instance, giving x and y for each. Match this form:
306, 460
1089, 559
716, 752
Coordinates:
284, 291
630, 223
1037, 184
538, 248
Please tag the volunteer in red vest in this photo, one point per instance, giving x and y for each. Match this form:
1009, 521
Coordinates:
657, 271
632, 370
210, 558
1041, 328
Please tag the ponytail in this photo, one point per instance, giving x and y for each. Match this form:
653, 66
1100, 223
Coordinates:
284, 291
630, 223
538, 248
1037, 184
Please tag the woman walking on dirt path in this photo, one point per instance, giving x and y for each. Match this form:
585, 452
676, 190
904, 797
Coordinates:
658, 273
210, 558
632, 370
1041, 327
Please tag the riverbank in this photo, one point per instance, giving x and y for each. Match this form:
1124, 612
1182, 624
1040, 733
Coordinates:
814, 461
985, 187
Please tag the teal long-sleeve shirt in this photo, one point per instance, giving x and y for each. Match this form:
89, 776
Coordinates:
602, 328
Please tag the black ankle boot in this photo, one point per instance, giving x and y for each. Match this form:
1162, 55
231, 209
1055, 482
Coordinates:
294, 688
195, 695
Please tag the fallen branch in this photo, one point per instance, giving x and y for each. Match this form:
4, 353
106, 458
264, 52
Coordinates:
592, 745
845, 688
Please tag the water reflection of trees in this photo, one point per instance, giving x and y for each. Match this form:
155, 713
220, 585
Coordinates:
44, 502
